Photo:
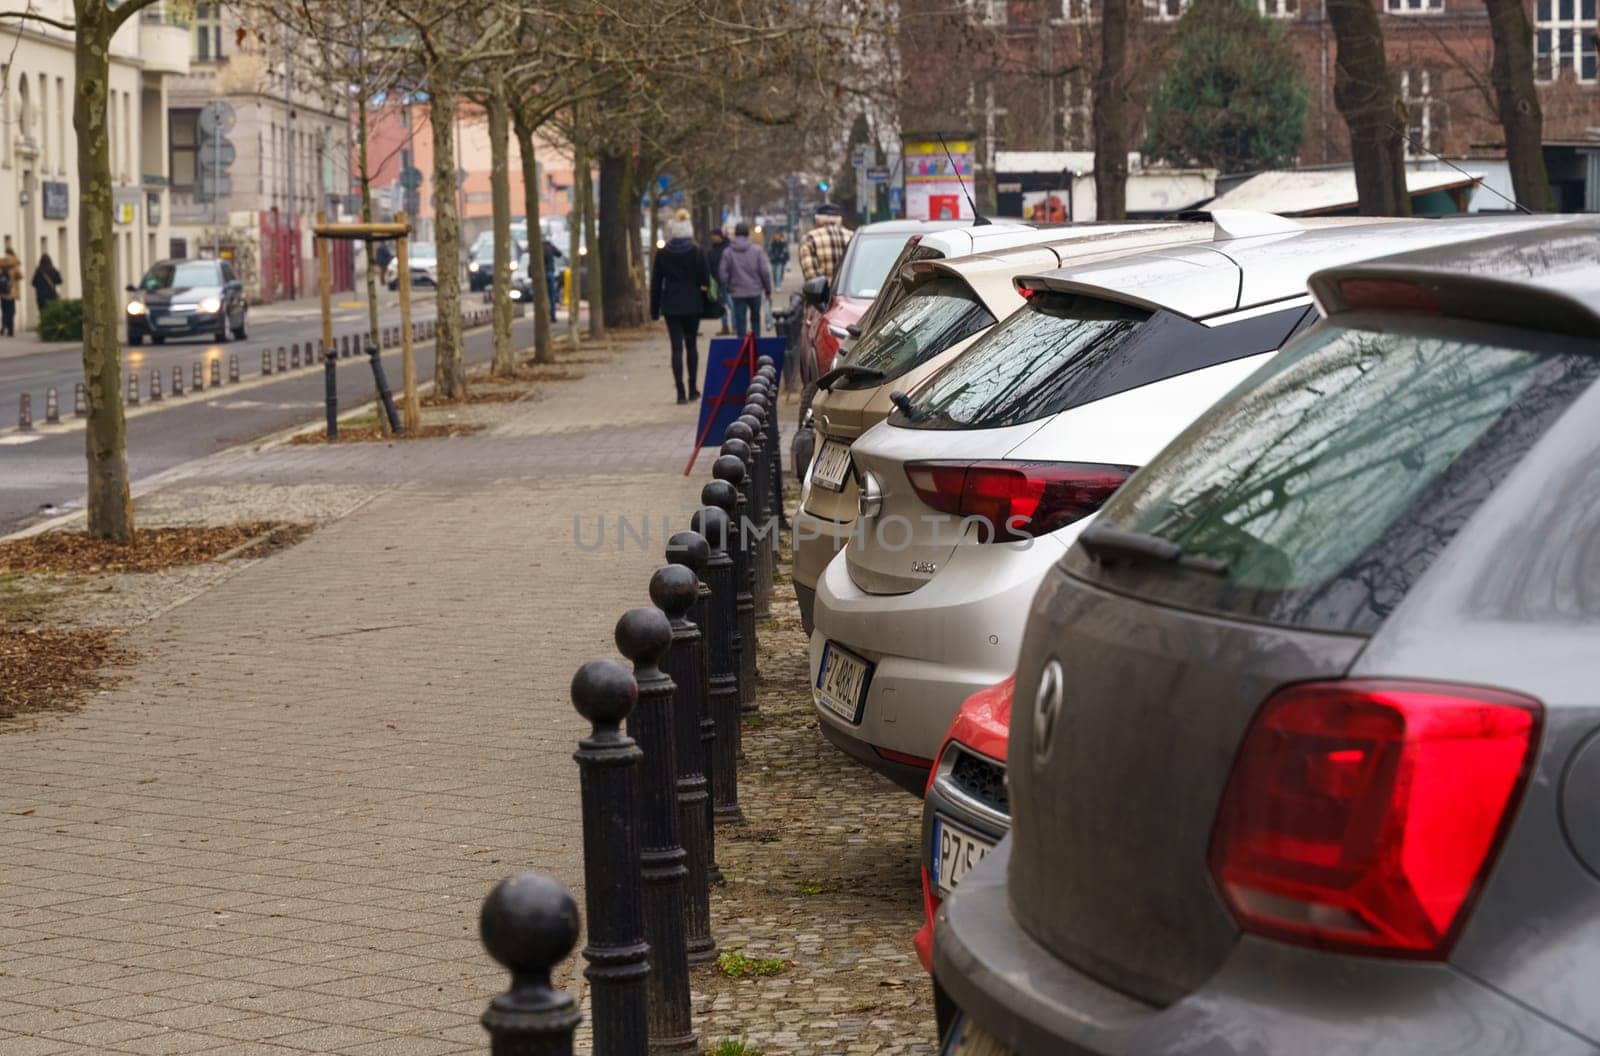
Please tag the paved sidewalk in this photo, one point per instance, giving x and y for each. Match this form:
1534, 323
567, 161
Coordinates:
275, 835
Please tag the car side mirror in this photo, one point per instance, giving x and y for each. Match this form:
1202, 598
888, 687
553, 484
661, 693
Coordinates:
816, 291
133, 289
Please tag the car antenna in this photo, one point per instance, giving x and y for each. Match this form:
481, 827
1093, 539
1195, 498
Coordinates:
978, 219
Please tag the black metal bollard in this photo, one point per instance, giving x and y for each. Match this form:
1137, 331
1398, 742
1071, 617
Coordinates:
608, 775
133, 385
722, 648
761, 586
729, 466
233, 368
691, 550
155, 386
25, 413
79, 404
330, 396
52, 407
294, 355
266, 361
382, 382
216, 373
283, 359
770, 375
197, 378
177, 380
644, 635
529, 923
673, 590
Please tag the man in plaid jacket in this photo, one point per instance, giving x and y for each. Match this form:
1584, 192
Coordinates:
823, 246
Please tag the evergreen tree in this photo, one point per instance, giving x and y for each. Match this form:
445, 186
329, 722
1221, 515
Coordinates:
1232, 98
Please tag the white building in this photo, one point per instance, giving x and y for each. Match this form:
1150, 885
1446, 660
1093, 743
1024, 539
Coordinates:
39, 200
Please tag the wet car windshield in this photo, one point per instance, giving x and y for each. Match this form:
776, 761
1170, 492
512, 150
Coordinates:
181, 274
932, 318
867, 264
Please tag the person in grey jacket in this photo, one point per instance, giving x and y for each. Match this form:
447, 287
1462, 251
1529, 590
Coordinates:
746, 275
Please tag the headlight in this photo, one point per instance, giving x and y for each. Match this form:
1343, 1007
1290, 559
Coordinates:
516, 294
838, 331
211, 305
135, 307
473, 266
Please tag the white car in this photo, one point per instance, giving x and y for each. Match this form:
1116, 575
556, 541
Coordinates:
424, 261
986, 473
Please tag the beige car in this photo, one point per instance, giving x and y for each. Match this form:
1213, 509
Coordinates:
945, 305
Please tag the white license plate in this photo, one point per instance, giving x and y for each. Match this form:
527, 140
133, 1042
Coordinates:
955, 851
833, 464
842, 682
172, 321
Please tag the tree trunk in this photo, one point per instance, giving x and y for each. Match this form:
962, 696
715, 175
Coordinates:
449, 373
1517, 100
617, 230
1110, 115
110, 506
575, 264
505, 356
1366, 98
591, 243
530, 196
364, 176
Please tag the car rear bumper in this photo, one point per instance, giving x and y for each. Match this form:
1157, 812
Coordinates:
1268, 997
931, 648
946, 802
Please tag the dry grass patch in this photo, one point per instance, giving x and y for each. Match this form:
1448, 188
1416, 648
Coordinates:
494, 395
366, 434
152, 549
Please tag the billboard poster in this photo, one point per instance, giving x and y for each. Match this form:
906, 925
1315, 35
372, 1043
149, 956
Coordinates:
933, 186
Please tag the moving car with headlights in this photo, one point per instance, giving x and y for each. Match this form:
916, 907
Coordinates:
182, 298
940, 307
984, 475
1308, 737
480, 258
423, 258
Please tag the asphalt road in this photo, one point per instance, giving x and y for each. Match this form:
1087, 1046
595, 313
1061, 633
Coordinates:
42, 474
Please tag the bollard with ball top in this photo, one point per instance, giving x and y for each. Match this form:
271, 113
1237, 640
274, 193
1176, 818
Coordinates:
691, 550
177, 379
79, 405
233, 368
723, 647
604, 692
294, 355
766, 544
674, 590
133, 385
197, 378
266, 361
25, 413
216, 373
283, 359
752, 425
529, 923
52, 407
155, 385
643, 635
729, 466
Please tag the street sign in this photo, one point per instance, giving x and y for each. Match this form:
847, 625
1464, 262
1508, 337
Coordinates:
217, 119
217, 152
411, 178
878, 174
212, 186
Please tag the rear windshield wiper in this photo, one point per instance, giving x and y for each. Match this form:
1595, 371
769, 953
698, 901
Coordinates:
851, 371
1108, 544
903, 403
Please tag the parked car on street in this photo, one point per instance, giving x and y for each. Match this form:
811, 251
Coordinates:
182, 298
940, 306
984, 475
1309, 737
480, 258
424, 262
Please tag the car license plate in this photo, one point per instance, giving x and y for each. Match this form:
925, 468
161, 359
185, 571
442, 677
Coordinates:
955, 851
833, 463
842, 682
968, 1039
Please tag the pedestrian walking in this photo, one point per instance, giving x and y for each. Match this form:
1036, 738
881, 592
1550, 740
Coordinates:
746, 277
552, 276
10, 282
778, 257
823, 246
46, 281
719, 246
680, 280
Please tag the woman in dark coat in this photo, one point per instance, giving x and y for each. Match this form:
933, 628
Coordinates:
45, 281
678, 284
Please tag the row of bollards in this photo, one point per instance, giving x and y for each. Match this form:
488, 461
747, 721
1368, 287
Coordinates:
657, 773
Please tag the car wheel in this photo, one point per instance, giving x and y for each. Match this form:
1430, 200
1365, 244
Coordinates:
222, 332
238, 331
134, 337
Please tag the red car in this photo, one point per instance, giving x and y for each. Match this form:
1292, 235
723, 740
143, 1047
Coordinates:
965, 810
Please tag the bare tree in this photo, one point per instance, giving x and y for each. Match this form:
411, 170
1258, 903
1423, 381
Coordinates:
1366, 98
1112, 115
1517, 101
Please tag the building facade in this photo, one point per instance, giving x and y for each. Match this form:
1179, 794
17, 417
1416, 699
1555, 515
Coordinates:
1019, 72
38, 146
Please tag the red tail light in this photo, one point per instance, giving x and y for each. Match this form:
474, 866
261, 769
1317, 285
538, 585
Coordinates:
1016, 500
1364, 815
1394, 294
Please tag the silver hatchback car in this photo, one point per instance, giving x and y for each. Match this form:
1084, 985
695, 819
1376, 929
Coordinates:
1306, 747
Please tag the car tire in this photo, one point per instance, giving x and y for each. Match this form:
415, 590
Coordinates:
238, 331
134, 337
222, 333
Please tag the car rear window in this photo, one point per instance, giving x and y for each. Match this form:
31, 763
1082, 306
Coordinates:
1322, 489
932, 317
1064, 350
894, 288
866, 264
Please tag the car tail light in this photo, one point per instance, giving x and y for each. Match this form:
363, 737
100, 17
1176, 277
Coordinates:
1364, 815
1394, 294
1016, 500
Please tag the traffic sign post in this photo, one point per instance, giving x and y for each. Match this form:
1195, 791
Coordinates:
216, 154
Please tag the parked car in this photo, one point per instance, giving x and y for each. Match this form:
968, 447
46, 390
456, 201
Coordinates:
423, 258
834, 306
480, 258
985, 474
1310, 750
940, 307
181, 298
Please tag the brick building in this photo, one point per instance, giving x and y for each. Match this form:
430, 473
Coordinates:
1018, 72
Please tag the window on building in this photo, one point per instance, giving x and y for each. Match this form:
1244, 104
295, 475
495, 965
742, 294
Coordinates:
183, 149
208, 32
1564, 38
1413, 7
1280, 8
1078, 11
1077, 113
1425, 113
989, 12
1165, 10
